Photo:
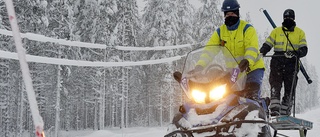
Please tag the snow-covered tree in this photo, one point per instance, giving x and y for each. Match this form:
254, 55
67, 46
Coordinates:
5, 97
185, 12
306, 94
207, 19
160, 21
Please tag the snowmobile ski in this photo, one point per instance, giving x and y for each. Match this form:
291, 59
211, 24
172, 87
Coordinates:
211, 128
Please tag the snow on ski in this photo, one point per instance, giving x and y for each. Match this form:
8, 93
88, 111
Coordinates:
37, 119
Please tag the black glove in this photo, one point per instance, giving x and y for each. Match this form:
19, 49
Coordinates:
265, 49
244, 65
303, 51
290, 54
263, 52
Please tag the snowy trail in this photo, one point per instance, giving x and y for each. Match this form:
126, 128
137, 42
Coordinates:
311, 115
130, 132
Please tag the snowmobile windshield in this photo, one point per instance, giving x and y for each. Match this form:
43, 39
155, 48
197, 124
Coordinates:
210, 67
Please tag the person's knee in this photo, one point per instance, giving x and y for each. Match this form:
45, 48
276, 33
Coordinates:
252, 87
252, 90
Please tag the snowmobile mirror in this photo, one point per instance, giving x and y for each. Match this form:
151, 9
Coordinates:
177, 76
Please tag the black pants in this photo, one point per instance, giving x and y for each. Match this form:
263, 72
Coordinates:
282, 72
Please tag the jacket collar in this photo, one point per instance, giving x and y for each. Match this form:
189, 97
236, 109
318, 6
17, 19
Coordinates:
286, 29
235, 26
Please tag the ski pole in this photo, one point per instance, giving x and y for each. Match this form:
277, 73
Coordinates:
302, 69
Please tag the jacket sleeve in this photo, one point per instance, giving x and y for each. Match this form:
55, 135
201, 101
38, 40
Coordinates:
265, 49
303, 49
209, 51
269, 43
251, 46
214, 39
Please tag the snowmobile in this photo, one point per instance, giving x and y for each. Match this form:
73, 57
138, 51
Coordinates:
217, 105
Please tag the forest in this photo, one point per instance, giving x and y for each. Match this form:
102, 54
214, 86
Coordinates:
74, 97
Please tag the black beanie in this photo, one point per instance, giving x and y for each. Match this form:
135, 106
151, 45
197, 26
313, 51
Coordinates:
234, 11
288, 13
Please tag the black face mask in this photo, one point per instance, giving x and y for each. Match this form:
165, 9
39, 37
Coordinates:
289, 24
231, 20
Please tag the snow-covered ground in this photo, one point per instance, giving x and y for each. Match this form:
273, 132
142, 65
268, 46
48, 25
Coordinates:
312, 115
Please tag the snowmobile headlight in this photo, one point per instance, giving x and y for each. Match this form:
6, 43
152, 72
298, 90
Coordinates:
198, 96
218, 92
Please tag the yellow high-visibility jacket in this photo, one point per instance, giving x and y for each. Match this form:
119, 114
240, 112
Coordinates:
241, 42
279, 41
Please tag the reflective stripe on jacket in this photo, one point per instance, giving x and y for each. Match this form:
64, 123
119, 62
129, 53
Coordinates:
242, 43
279, 41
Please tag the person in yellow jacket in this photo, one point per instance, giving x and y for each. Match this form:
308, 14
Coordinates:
242, 41
289, 44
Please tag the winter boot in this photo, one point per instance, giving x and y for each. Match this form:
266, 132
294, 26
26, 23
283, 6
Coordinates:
274, 107
285, 109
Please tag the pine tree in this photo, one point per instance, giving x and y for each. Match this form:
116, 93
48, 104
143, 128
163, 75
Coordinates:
207, 19
160, 21
185, 12
5, 99
7, 88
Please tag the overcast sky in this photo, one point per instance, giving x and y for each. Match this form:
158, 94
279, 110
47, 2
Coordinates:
306, 18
